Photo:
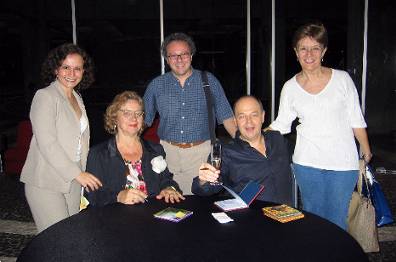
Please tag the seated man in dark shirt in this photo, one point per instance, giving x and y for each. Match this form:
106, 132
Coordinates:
252, 155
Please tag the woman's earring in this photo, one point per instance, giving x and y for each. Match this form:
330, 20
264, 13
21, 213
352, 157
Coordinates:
115, 128
322, 59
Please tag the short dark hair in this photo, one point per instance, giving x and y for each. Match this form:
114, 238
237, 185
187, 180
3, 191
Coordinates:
315, 30
177, 37
55, 58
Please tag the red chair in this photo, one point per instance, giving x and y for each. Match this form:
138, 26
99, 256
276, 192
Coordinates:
15, 157
151, 132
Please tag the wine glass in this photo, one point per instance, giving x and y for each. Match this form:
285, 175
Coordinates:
215, 160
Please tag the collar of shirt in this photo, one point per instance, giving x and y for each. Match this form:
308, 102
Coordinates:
194, 74
267, 140
113, 150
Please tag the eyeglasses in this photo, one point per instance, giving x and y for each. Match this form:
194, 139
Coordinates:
129, 113
305, 49
182, 56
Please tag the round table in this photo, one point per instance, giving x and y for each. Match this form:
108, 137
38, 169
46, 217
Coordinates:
131, 233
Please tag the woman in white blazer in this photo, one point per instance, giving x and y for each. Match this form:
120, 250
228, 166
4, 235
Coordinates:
54, 169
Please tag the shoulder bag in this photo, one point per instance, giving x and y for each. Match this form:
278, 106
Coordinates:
361, 215
383, 214
209, 105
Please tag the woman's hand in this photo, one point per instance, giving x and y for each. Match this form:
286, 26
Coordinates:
131, 196
367, 156
170, 194
88, 181
268, 128
208, 173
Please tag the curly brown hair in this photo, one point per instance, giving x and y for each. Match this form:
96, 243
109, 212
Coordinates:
110, 117
55, 58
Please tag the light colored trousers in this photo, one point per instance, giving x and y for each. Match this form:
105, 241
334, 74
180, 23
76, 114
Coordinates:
184, 163
49, 207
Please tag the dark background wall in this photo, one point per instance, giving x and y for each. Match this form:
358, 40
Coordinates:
381, 71
123, 37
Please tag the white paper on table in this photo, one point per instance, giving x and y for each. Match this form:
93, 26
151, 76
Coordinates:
222, 217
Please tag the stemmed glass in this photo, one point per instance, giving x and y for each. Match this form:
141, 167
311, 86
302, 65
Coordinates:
215, 160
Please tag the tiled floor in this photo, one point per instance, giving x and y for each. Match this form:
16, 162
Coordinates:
17, 227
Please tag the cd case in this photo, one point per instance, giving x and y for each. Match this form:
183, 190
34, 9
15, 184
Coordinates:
283, 213
173, 214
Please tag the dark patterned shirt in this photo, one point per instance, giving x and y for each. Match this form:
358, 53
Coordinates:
242, 163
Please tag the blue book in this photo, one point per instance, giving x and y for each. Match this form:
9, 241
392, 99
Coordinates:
241, 200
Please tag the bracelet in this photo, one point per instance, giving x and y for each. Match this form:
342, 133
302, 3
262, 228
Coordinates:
369, 155
173, 188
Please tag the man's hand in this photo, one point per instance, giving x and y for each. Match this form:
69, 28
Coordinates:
208, 173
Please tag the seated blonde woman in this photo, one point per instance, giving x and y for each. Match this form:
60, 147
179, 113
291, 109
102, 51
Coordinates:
130, 168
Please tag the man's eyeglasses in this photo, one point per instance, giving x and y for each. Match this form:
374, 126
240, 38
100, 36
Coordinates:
130, 113
183, 56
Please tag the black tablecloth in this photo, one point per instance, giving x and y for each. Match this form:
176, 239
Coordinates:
130, 233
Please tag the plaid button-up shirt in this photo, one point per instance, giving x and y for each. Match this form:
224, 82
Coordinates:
183, 112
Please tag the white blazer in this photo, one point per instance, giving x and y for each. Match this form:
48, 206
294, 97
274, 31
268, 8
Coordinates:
50, 162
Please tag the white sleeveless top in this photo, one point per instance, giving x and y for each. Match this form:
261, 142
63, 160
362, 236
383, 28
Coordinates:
83, 127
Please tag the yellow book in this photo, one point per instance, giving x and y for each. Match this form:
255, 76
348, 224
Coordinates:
283, 213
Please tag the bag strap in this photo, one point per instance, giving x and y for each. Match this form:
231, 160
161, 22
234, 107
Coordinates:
363, 176
362, 170
209, 104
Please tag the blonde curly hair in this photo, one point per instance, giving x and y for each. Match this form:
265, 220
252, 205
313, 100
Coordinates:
110, 117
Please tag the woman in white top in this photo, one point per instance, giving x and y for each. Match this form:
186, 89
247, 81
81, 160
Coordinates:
325, 100
54, 169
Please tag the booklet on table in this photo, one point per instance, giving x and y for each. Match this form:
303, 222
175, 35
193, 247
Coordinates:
243, 200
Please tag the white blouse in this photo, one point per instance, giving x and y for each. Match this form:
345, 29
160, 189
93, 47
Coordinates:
325, 136
83, 127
